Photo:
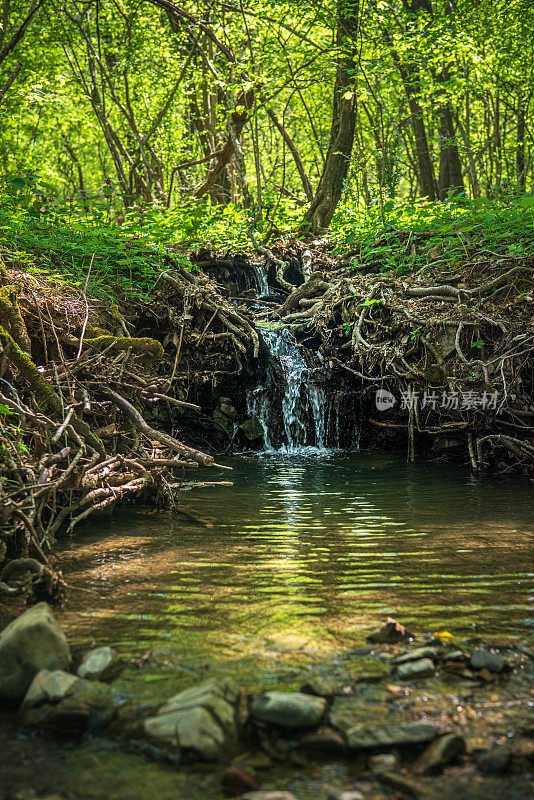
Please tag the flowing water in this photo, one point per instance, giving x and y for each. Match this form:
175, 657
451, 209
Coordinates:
308, 414
261, 273
304, 554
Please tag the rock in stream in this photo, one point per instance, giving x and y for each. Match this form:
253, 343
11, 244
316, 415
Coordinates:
32, 642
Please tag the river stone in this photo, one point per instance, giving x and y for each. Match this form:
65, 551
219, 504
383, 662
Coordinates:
390, 633
235, 780
32, 642
495, 760
320, 687
63, 703
99, 664
289, 709
350, 795
199, 722
403, 785
267, 796
481, 659
416, 654
391, 735
323, 742
383, 762
439, 753
414, 670
252, 429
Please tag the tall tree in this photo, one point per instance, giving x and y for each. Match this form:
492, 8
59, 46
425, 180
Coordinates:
337, 162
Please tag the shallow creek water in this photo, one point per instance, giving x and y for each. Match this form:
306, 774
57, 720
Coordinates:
305, 551
304, 555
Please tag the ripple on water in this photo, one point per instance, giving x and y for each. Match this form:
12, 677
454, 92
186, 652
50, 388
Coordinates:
336, 540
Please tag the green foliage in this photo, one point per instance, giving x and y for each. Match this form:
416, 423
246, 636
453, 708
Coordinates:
125, 251
416, 235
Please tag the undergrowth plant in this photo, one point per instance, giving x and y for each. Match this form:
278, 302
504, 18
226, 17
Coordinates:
93, 241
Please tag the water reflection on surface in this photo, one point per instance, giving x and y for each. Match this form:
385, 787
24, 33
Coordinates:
303, 552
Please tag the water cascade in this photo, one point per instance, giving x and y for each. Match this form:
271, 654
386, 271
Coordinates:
300, 414
262, 283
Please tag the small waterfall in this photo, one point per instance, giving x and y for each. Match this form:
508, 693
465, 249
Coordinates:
262, 283
297, 415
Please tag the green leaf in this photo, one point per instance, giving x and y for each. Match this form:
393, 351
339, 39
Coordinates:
18, 183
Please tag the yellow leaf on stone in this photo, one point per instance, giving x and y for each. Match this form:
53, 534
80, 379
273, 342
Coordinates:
448, 637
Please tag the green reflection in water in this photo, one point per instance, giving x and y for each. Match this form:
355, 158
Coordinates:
307, 550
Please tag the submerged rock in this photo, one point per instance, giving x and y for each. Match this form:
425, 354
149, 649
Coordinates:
384, 762
400, 783
289, 709
442, 751
320, 687
199, 722
65, 704
323, 742
235, 780
495, 760
415, 670
32, 642
416, 654
345, 795
481, 659
273, 795
99, 664
390, 633
391, 735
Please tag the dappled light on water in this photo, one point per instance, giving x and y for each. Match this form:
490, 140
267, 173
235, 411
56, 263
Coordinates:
304, 555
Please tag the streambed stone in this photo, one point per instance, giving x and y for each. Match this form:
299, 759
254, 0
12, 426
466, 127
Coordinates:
400, 783
416, 654
99, 664
289, 709
320, 687
481, 659
323, 742
199, 722
267, 796
495, 760
65, 704
391, 735
416, 670
235, 780
349, 795
32, 642
383, 762
439, 753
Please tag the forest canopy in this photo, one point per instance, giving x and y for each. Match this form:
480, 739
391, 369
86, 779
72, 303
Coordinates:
281, 108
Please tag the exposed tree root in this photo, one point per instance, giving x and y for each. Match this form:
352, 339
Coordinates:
73, 387
466, 338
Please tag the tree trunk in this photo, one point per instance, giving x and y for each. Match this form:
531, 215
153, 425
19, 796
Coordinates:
520, 146
426, 177
336, 166
450, 167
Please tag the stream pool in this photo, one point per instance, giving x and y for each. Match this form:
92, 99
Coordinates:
303, 556
304, 553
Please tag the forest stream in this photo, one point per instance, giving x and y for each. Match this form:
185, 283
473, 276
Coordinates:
283, 584
310, 549
266, 400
